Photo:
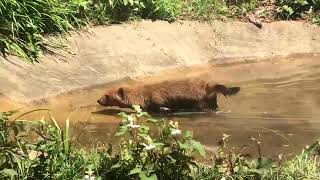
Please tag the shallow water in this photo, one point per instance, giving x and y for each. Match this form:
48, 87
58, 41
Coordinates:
279, 102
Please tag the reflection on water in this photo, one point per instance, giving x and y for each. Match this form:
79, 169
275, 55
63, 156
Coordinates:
279, 103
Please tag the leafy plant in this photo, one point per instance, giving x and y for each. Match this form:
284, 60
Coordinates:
293, 9
9, 159
229, 164
48, 158
149, 149
164, 155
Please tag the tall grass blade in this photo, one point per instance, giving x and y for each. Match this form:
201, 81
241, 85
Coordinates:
67, 137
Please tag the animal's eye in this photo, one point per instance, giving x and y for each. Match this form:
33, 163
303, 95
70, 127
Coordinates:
108, 97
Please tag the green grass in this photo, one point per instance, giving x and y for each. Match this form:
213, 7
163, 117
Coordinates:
26, 24
217, 9
23, 24
149, 149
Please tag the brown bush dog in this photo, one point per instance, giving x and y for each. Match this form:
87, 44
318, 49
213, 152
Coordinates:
178, 94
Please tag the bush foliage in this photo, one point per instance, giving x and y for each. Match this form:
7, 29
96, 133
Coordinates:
149, 149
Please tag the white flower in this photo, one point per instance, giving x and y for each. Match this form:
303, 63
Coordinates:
149, 147
137, 108
130, 119
175, 132
133, 126
86, 177
175, 125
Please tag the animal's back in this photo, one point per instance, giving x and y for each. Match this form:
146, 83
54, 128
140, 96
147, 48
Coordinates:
177, 93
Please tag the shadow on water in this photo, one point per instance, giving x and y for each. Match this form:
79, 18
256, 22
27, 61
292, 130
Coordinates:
279, 103
110, 112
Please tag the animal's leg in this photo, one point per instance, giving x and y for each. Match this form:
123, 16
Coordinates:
203, 106
154, 108
212, 101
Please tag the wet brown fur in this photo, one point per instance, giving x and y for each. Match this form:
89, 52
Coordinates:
179, 94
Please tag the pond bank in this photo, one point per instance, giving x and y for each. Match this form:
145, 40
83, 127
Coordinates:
109, 53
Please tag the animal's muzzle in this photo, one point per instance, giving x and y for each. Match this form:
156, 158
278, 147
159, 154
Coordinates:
99, 102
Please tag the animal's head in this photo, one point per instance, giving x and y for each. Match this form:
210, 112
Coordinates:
114, 97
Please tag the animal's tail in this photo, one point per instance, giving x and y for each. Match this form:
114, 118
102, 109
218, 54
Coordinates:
226, 91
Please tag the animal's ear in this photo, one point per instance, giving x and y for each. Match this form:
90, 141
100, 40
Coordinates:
121, 93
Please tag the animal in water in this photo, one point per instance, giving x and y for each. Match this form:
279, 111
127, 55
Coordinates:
172, 95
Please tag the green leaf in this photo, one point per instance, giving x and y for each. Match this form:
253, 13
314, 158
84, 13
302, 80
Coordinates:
144, 129
172, 159
263, 163
149, 168
122, 114
2, 159
158, 145
152, 120
143, 176
198, 147
288, 9
258, 171
121, 130
131, 2
142, 114
185, 145
116, 166
9, 173
188, 135
236, 169
136, 170
91, 166
145, 136
142, 5
302, 2
111, 3
166, 131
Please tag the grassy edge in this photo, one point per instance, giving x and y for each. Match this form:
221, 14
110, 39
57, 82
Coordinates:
24, 25
142, 155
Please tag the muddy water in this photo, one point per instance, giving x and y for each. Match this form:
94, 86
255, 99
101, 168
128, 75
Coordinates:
279, 103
